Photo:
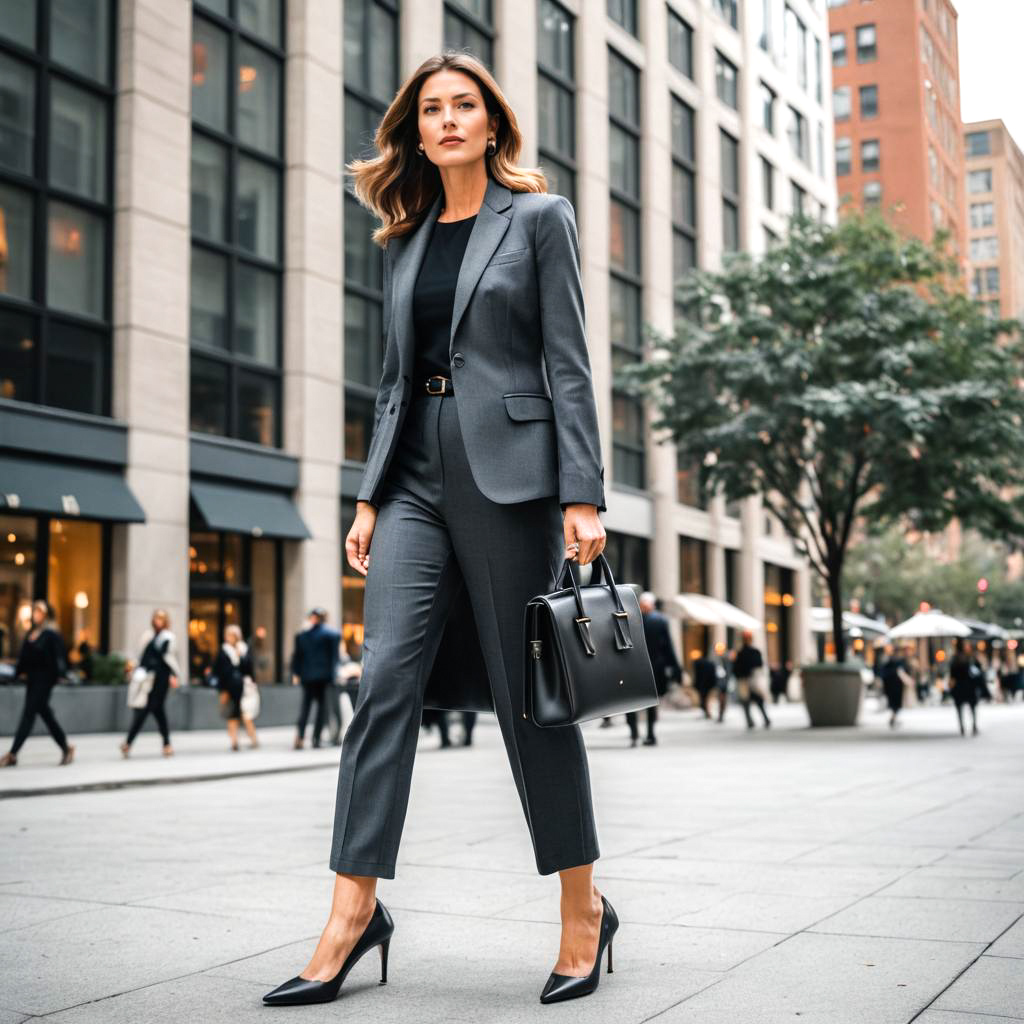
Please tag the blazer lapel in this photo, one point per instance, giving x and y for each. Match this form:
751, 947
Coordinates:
488, 230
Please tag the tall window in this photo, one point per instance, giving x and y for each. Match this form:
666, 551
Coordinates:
798, 200
767, 184
838, 43
983, 215
371, 78
841, 102
768, 98
978, 144
868, 102
727, 9
796, 47
625, 282
726, 81
680, 44
730, 173
623, 12
684, 195
870, 155
844, 156
693, 579
469, 25
237, 218
56, 174
979, 181
799, 141
867, 44
556, 97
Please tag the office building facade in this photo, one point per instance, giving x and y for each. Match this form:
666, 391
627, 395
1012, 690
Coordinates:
191, 305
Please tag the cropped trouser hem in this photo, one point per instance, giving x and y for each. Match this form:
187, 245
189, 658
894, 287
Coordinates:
563, 862
370, 868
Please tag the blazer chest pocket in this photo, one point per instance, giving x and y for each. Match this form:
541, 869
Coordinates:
529, 406
508, 257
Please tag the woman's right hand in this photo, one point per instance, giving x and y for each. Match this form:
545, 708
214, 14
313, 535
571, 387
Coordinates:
357, 543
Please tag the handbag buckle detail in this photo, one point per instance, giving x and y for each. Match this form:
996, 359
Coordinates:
535, 649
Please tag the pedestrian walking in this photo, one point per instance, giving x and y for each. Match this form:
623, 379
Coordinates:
468, 503
43, 662
315, 659
705, 678
233, 670
966, 677
748, 668
663, 661
155, 675
896, 677
779, 681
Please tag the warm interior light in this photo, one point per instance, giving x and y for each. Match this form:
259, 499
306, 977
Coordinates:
82, 600
246, 78
11, 538
19, 558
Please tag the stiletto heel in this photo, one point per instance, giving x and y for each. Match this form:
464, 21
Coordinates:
565, 986
299, 990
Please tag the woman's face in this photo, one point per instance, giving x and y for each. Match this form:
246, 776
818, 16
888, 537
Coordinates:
38, 614
158, 622
450, 104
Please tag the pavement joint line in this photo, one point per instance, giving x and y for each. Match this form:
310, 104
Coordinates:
961, 973
169, 780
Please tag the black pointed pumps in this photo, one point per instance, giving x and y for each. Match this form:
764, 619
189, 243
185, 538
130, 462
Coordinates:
565, 986
299, 990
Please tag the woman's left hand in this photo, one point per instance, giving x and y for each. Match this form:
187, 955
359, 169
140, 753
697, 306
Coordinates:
174, 682
581, 525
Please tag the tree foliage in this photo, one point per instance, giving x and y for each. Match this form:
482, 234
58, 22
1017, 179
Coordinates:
844, 376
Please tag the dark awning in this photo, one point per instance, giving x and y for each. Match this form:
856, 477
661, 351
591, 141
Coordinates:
237, 509
66, 489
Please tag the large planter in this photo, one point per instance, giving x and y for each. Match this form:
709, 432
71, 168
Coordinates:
832, 693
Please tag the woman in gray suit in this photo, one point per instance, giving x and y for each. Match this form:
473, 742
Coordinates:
484, 472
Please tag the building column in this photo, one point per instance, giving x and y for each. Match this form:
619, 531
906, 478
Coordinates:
313, 323
151, 303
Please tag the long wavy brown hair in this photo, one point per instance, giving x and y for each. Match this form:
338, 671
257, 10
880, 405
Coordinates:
399, 184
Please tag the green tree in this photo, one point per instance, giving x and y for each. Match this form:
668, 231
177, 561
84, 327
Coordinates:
844, 376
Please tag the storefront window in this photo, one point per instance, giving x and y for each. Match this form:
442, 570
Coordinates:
234, 580
353, 588
65, 560
693, 577
778, 613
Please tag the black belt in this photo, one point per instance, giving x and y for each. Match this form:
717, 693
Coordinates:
438, 385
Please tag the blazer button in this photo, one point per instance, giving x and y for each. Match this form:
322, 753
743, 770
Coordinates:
457, 359
391, 410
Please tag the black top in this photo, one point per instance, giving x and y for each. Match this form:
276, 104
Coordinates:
747, 659
434, 298
42, 659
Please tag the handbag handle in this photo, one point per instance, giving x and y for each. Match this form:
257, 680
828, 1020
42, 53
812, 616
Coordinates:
623, 639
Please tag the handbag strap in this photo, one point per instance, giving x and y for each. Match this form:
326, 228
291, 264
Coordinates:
623, 638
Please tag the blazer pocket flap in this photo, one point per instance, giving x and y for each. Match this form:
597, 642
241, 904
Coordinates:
508, 257
529, 407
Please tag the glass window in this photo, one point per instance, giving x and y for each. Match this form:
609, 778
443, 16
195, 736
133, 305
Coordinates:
262, 18
623, 88
796, 131
683, 131
767, 184
15, 242
237, 186
867, 44
18, 22
978, 144
844, 156
693, 579
868, 102
556, 98
872, 193
80, 33
469, 26
18, 554
982, 215
730, 226
726, 9
209, 75
623, 12
76, 262
985, 248
979, 181
870, 155
624, 160
730, 163
17, 356
76, 371
17, 115
798, 200
726, 81
837, 41
841, 103
767, 108
680, 44
555, 39
78, 141
74, 586
684, 194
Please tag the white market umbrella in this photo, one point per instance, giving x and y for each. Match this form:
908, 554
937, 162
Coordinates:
712, 611
926, 625
821, 622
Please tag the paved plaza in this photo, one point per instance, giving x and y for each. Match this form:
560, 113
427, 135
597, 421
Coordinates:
835, 876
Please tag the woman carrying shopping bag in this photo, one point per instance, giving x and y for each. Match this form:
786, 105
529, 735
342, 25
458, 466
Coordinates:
156, 673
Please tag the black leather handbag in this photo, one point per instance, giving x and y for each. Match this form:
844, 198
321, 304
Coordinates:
586, 656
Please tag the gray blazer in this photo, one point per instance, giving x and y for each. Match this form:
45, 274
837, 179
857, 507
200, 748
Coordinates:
518, 350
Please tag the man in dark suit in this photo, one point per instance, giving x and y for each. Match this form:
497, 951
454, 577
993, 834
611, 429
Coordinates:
663, 660
315, 664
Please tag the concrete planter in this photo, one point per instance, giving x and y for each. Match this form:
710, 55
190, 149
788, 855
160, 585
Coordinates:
82, 709
832, 693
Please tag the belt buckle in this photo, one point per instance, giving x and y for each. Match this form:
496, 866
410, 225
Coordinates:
443, 388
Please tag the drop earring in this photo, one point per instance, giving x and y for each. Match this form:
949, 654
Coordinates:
420, 149
492, 147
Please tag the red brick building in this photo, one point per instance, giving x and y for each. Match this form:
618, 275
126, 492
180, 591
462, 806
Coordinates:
896, 99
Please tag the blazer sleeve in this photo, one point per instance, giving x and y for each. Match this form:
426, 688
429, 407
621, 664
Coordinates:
563, 334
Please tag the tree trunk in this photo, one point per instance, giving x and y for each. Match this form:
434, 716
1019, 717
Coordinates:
835, 590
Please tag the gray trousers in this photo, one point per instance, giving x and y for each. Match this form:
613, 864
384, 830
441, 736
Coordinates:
434, 529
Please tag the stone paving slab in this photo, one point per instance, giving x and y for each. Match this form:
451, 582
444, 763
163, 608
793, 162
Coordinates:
732, 859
